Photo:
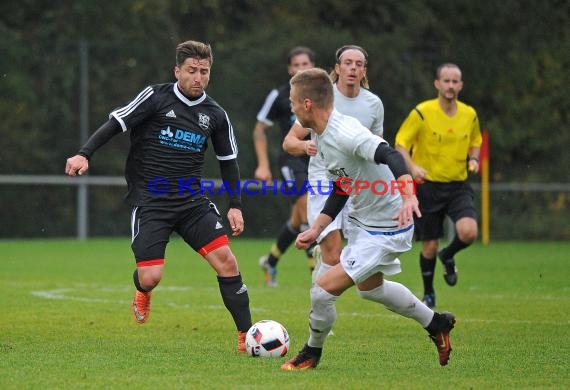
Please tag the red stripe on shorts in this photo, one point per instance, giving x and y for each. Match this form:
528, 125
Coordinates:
213, 245
146, 263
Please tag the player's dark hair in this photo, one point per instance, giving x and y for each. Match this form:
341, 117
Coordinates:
446, 65
193, 49
298, 50
338, 55
314, 84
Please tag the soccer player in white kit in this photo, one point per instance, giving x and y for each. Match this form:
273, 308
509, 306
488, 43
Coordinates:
381, 219
351, 97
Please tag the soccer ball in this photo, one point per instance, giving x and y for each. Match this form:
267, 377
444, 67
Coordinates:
267, 338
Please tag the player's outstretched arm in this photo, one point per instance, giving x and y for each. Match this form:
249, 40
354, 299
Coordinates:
79, 164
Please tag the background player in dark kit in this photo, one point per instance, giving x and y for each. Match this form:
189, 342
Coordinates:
294, 169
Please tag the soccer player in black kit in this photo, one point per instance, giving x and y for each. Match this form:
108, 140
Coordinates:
170, 125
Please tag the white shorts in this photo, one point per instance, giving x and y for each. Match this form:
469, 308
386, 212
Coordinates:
316, 202
368, 253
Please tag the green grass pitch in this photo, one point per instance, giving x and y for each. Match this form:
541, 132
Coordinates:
66, 322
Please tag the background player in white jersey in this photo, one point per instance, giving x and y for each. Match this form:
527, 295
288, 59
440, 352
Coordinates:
277, 110
382, 224
351, 97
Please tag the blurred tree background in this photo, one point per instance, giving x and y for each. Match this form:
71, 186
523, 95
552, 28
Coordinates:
514, 56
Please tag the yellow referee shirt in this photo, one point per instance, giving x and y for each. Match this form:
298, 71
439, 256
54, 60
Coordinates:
440, 143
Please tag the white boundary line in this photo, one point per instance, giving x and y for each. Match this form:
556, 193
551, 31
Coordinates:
68, 294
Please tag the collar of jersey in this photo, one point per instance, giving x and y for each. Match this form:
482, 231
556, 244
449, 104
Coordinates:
185, 100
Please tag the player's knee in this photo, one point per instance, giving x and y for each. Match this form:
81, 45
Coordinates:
331, 248
320, 296
429, 249
468, 233
149, 277
228, 264
331, 257
331, 261
469, 237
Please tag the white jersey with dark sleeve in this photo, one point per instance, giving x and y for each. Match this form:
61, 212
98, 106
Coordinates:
348, 148
169, 136
366, 107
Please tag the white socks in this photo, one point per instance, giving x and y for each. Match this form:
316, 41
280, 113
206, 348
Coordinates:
394, 296
399, 299
322, 316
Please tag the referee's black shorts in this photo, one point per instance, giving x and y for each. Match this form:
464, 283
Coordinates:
198, 222
437, 200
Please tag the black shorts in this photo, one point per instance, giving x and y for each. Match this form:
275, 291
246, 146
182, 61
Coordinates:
437, 200
295, 175
198, 222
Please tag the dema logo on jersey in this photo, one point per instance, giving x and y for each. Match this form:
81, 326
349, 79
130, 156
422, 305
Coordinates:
182, 139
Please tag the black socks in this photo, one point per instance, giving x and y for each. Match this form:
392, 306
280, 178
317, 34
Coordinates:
236, 300
286, 236
427, 267
455, 246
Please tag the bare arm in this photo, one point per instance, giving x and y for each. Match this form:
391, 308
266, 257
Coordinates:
263, 170
333, 206
306, 238
295, 143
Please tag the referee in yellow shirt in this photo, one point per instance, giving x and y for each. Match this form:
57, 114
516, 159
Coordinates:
440, 141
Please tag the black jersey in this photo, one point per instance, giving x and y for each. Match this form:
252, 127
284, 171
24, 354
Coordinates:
277, 108
169, 136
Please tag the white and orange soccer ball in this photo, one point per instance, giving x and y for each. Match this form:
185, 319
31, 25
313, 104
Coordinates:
267, 338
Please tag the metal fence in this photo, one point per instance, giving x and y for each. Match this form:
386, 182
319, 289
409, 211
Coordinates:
510, 202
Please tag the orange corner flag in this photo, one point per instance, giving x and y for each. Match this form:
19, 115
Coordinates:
484, 157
